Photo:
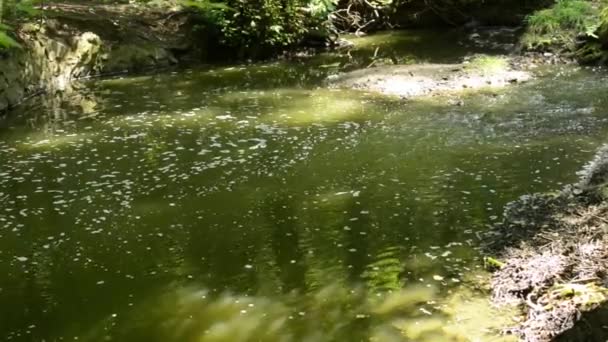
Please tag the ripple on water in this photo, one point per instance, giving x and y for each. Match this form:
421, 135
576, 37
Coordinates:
239, 209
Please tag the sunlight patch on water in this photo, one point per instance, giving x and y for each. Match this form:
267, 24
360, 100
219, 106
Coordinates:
128, 81
383, 39
43, 141
302, 107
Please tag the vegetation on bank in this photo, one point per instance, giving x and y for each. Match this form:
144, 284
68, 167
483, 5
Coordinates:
262, 28
576, 28
258, 27
13, 9
561, 24
251, 29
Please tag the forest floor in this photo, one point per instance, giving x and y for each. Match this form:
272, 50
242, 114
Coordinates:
553, 252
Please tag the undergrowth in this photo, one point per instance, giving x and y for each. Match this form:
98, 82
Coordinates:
13, 10
558, 26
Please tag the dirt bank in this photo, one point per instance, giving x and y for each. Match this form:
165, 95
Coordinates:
408, 81
553, 252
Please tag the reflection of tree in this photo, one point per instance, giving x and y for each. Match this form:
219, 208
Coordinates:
285, 238
220, 250
58, 109
357, 236
384, 273
28, 283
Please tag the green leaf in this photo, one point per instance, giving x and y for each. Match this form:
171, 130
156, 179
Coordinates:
206, 5
26, 8
7, 42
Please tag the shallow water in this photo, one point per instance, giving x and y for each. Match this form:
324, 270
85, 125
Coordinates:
249, 203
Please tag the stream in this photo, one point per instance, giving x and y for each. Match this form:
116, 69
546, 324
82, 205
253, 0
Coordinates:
253, 203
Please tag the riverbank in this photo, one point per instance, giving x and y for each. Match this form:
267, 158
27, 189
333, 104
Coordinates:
76, 41
553, 254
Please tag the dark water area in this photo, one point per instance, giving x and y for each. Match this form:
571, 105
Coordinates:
251, 203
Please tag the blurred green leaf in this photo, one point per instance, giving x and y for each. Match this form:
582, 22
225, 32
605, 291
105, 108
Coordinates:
7, 42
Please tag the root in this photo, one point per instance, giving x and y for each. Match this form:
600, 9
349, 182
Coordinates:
360, 16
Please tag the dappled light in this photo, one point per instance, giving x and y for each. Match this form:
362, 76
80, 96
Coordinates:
304, 107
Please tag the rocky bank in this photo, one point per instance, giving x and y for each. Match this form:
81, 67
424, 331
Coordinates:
75, 42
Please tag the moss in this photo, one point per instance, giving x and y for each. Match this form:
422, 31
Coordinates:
584, 296
485, 63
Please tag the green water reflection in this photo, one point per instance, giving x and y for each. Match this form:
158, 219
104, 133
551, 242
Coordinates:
249, 203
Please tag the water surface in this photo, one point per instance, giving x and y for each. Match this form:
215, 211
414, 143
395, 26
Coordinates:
250, 203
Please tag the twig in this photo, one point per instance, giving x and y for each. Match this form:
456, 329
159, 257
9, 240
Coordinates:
585, 280
365, 25
600, 218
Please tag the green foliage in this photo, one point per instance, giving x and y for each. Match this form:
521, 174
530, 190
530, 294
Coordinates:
5, 39
577, 15
206, 5
585, 296
603, 29
559, 25
15, 10
485, 63
258, 26
319, 9
492, 263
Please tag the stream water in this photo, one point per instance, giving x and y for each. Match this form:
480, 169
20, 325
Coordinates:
251, 203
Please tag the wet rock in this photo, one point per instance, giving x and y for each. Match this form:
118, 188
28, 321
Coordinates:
46, 62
